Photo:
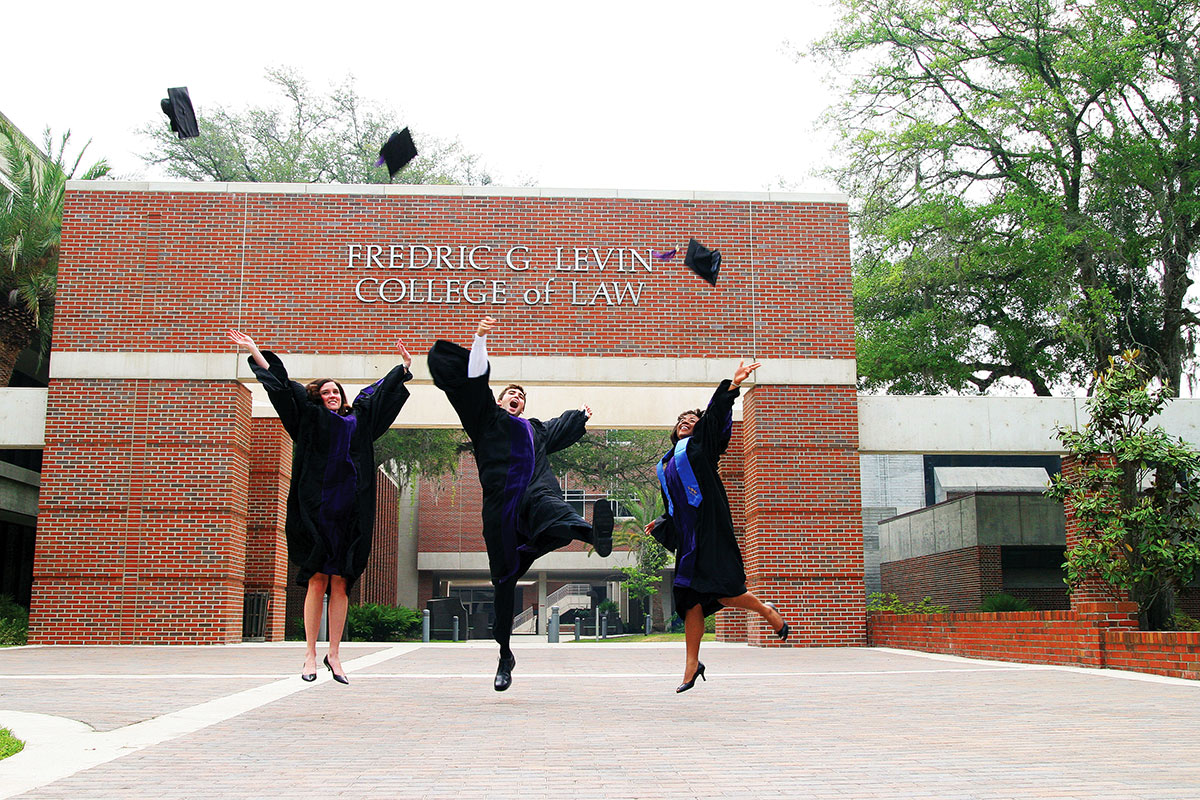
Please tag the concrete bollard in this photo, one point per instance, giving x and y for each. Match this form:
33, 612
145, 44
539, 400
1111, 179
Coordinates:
552, 626
648, 627
604, 627
577, 626
597, 624
425, 626
456, 627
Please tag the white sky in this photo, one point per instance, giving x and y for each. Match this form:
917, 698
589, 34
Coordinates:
650, 95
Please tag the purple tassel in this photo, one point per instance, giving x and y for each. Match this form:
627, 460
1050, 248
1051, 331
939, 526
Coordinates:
379, 163
666, 255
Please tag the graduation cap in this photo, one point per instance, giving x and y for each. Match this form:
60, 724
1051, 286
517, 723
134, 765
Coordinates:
178, 108
397, 151
702, 261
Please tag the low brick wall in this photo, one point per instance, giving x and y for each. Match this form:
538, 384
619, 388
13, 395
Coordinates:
1094, 635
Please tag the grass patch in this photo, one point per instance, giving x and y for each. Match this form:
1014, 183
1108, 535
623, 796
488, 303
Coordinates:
9, 744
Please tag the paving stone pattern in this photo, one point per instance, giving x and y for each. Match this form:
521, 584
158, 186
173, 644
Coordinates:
602, 721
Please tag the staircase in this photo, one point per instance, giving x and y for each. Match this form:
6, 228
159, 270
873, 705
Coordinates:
571, 596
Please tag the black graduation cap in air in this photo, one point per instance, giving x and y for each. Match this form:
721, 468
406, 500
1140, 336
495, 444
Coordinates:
178, 108
702, 261
398, 151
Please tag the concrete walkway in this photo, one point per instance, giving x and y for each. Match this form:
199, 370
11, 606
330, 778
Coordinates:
585, 721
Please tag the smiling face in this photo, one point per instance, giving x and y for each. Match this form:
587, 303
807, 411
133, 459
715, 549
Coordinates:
512, 400
328, 393
331, 396
685, 425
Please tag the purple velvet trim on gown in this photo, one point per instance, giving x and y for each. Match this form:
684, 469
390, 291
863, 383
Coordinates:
684, 520
338, 492
520, 472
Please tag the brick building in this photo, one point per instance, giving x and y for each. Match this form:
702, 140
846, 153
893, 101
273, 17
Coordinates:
164, 471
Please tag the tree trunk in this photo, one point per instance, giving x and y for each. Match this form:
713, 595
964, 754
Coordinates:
16, 332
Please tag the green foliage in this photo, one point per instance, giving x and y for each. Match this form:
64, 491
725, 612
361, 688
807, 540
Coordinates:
427, 452
1136, 495
710, 623
607, 607
622, 459
881, 601
9, 745
14, 622
372, 622
1025, 187
1004, 602
313, 138
31, 206
1182, 622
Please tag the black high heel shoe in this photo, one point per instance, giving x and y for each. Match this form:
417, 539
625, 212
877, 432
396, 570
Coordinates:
336, 677
308, 677
683, 687
783, 632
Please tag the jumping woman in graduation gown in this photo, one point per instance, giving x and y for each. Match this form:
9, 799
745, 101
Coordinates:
331, 499
524, 513
698, 525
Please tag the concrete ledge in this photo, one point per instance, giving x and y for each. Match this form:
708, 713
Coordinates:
443, 190
572, 561
368, 368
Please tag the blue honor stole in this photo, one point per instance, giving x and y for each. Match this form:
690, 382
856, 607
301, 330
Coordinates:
687, 478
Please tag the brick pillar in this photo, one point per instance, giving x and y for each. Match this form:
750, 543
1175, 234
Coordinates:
1093, 590
732, 622
804, 540
266, 545
142, 515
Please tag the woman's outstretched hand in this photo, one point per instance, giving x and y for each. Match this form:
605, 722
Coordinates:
485, 326
242, 340
743, 371
404, 354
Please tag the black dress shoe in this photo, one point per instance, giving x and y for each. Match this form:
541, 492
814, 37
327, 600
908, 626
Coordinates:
504, 673
683, 687
602, 527
308, 676
336, 677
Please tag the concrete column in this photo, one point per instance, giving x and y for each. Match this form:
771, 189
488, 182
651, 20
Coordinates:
543, 610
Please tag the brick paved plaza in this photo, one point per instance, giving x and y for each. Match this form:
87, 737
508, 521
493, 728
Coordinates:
587, 720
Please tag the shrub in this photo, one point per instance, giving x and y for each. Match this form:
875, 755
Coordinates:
1182, 622
1005, 602
710, 623
14, 622
880, 601
607, 607
372, 622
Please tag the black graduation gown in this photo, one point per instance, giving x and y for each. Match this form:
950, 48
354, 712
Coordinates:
331, 498
524, 512
708, 562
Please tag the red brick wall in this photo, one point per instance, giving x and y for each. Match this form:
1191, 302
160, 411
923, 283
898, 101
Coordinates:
1092, 590
1099, 634
959, 579
733, 623
378, 581
266, 543
803, 507
169, 272
142, 513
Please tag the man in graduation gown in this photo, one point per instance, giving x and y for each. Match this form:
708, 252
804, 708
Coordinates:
524, 513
